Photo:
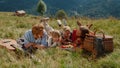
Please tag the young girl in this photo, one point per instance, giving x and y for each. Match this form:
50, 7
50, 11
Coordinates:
54, 39
66, 36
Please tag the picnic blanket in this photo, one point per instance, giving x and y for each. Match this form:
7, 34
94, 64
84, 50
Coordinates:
9, 44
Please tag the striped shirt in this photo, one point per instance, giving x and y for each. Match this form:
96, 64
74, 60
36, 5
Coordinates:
29, 38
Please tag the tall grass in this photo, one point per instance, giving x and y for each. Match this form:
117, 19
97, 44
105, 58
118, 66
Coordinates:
14, 27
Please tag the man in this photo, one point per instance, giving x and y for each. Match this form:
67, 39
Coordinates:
35, 38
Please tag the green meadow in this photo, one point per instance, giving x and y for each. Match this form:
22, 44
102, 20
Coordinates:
13, 27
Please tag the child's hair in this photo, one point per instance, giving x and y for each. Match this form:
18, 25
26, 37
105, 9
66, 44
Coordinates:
56, 33
37, 28
65, 28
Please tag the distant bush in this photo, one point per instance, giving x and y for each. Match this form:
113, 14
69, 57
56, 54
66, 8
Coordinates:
61, 14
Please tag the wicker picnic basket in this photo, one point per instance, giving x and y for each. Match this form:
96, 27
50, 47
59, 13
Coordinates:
107, 42
89, 43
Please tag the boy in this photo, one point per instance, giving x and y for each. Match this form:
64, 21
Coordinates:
47, 27
54, 40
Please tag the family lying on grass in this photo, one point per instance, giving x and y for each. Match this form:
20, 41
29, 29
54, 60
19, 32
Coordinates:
42, 36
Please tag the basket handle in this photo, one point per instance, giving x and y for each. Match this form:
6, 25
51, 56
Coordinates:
92, 34
100, 32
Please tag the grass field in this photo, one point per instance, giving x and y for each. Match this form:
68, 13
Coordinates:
14, 27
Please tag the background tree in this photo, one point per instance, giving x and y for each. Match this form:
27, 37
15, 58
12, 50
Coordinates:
61, 14
41, 8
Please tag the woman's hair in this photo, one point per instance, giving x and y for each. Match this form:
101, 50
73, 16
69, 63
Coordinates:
84, 30
56, 33
37, 28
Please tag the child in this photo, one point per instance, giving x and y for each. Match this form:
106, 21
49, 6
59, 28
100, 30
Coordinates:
54, 40
76, 37
47, 27
66, 36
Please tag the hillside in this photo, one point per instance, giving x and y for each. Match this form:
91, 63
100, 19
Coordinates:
89, 8
14, 27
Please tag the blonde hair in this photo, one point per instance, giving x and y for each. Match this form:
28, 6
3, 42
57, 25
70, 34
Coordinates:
56, 33
37, 28
65, 28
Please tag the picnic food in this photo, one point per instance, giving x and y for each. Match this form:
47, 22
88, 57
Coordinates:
67, 46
